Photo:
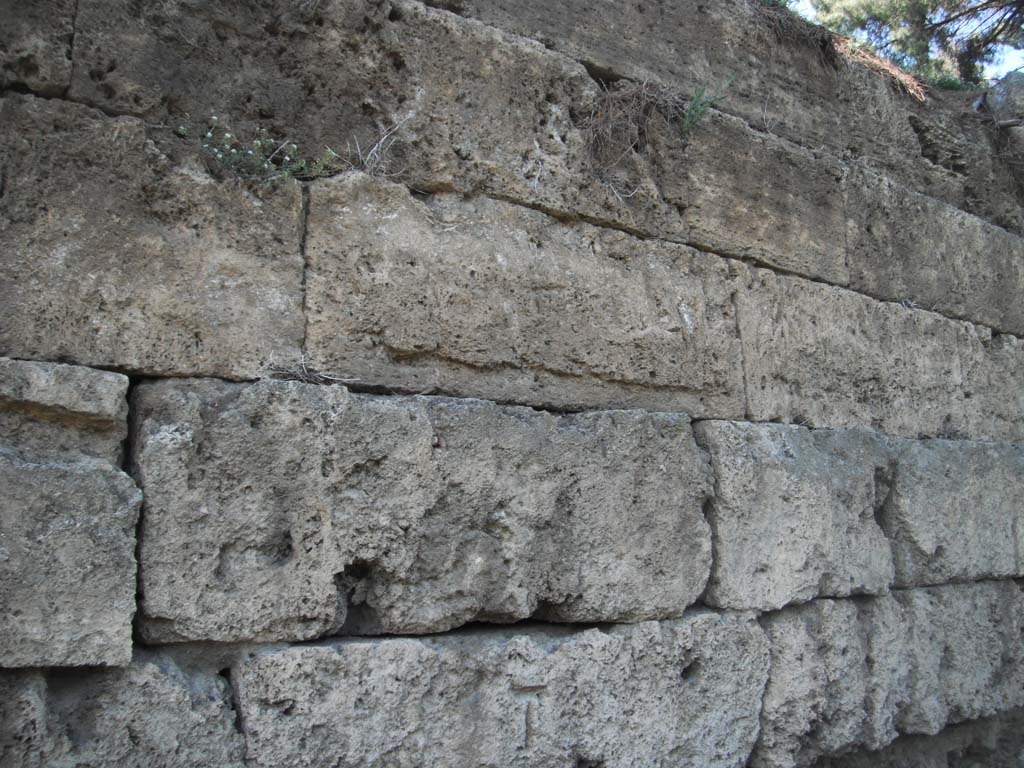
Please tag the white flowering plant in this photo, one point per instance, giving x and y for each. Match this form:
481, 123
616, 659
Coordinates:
264, 158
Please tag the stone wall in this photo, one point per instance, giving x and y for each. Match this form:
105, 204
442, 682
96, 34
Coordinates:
711, 458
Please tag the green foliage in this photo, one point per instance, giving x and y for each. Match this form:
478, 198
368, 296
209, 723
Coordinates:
935, 39
699, 105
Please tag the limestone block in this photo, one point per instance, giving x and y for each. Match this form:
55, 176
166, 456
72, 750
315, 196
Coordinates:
67, 561
35, 45
953, 511
683, 692
848, 675
793, 514
904, 246
838, 678
995, 742
153, 713
110, 255
967, 660
270, 507
56, 408
829, 357
482, 298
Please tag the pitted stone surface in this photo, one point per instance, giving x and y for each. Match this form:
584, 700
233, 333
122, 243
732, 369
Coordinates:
832, 358
35, 45
153, 714
487, 299
953, 511
793, 514
850, 675
110, 255
683, 692
67, 561
270, 506
55, 408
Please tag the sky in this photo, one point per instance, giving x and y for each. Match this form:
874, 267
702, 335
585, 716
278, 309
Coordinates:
1008, 61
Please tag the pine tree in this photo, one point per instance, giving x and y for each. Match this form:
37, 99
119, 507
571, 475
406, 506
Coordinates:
932, 38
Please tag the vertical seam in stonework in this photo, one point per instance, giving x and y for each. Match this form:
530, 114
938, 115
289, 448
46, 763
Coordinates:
743, 357
843, 192
71, 48
303, 233
129, 468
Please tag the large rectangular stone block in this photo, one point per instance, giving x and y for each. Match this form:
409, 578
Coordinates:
482, 298
112, 255
270, 508
67, 561
55, 408
801, 513
156, 712
852, 674
829, 357
683, 692
793, 514
953, 511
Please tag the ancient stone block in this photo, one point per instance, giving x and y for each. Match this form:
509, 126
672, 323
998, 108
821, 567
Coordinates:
794, 514
685, 692
55, 408
35, 45
67, 561
848, 675
829, 357
966, 656
964, 267
953, 511
838, 674
110, 255
481, 298
153, 713
271, 506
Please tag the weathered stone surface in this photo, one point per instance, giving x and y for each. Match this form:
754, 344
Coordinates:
154, 713
846, 675
965, 650
783, 79
111, 256
67, 561
750, 195
838, 677
270, 506
55, 408
906, 247
35, 45
487, 299
953, 511
996, 742
793, 514
829, 357
684, 692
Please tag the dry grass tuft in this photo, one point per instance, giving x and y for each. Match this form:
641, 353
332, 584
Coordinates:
787, 28
863, 54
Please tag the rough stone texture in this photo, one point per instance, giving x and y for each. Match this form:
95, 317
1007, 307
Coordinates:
685, 692
793, 514
996, 742
965, 650
54, 408
953, 511
910, 248
838, 676
829, 357
502, 115
794, 87
269, 506
154, 714
112, 256
67, 561
35, 45
847, 674
487, 299
1006, 99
